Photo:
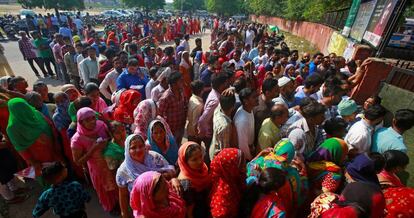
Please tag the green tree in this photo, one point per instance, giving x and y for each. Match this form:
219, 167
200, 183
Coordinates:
224, 7
188, 5
266, 7
53, 4
147, 5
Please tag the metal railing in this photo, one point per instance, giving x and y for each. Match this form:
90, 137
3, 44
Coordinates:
336, 19
402, 78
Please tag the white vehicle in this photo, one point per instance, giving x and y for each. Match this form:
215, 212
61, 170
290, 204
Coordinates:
25, 12
124, 12
112, 13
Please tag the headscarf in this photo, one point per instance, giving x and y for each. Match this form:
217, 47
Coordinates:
126, 107
4, 82
362, 169
200, 179
83, 114
322, 203
76, 39
228, 182
287, 68
172, 150
68, 87
61, 118
25, 124
111, 37
142, 201
389, 179
32, 98
144, 113
364, 197
136, 168
185, 63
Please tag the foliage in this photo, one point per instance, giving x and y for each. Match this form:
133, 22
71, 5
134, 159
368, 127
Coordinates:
225, 7
53, 4
266, 7
189, 5
145, 4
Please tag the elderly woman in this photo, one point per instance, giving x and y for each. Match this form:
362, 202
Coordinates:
161, 140
87, 144
138, 159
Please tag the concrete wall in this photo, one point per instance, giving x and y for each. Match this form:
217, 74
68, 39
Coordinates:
317, 34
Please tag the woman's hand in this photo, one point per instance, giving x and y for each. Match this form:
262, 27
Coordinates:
177, 186
100, 145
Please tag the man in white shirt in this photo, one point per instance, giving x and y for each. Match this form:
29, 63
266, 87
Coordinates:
157, 91
185, 43
89, 67
244, 122
108, 85
238, 63
250, 36
152, 83
359, 136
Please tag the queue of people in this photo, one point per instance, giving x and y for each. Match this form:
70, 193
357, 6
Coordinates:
244, 129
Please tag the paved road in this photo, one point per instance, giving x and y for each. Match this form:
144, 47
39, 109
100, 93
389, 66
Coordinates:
22, 68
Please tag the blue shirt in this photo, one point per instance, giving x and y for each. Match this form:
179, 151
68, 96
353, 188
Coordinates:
96, 47
253, 53
64, 31
388, 139
126, 80
312, 68
65, 199
205, 77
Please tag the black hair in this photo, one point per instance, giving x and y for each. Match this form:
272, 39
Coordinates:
317, 54
334, 125
245, 93
153, 71
90, 87
38, 84
313, 80
377, 99
133, 47
305, 101
240, 84
394, 159
110, 53
313, 109
271, 179
174, 78
197, 86
269, 84
50, 173
237, 52
217, 80
133, 62
379, 161
281, 109
168, 50
90, 48
114, 124
82, 102
190, 150
212, 59
375, 112
404, 119
121, 53
331, 91
227, 102
13, 82
198, 40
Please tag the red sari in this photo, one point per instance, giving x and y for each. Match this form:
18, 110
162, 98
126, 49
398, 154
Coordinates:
399, 202
270, 205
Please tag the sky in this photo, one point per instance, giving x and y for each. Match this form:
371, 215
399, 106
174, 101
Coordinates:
169, 1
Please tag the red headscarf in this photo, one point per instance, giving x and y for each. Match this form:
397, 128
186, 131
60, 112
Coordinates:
200, 179
228, 183
142, 198
124, 112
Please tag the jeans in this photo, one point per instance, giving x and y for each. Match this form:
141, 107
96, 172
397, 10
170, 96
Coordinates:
47, 61
38, 62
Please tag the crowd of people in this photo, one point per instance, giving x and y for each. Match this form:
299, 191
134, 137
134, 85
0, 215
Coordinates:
246, 128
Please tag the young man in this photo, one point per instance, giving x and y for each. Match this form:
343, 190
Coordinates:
195, 109
18, 84
269, 133
224, 131
311, 85
359, 137
173, 106
198, 47
244, 122
392, 138
89, 68
71, 66
28, 51
43, 90
157, 91
331, 96
348, 110
45, 53
270, 90
152, 82
133, 77
57, 53
313, 66
238, 63
185, 43
108, 85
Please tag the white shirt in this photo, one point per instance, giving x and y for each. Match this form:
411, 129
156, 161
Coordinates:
156, 92
89, 69
244, 122
150, 85
237, 65
249, 38
359, 136
109, 81
186, 45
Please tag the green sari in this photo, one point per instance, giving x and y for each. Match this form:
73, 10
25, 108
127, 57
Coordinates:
25, 124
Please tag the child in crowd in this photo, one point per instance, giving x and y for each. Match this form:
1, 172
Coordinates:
66, 198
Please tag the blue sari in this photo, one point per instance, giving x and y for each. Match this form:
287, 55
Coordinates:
172, 152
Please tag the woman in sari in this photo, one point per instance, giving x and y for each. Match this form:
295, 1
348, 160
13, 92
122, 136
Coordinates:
324, 166
161, 140
185, 69
71, 91
358, 199
228, 183
138, 160
152, 196
281, 158
32, 135
144, 113
194, 178
399, 198
123, 113
87, 144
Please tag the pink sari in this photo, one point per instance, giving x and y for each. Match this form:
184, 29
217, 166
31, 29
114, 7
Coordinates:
102, 179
